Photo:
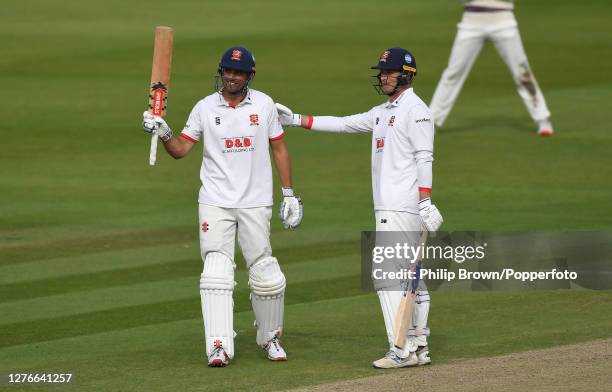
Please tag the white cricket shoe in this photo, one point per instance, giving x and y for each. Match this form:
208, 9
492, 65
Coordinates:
274, 350
393, 361
218, 357
422, 354
545, 128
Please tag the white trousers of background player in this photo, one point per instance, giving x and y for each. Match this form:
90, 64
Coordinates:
502, 30
390, 299
218, 229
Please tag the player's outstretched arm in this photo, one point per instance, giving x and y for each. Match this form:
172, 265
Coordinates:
176, 147
349, 124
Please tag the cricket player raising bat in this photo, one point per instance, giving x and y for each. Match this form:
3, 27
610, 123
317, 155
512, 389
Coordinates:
237, 125
402, 155
489, 20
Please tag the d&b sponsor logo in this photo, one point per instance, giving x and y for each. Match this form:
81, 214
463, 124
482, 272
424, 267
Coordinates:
238, 144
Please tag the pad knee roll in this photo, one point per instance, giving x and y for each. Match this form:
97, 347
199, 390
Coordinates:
266, 278
218, 273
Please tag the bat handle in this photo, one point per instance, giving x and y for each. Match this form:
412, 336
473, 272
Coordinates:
153, 150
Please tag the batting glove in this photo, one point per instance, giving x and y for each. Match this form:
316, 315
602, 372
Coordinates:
291, 210
430, 216
157, 125
286, 116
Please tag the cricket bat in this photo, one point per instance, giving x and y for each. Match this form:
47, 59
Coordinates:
160, 79
403, 317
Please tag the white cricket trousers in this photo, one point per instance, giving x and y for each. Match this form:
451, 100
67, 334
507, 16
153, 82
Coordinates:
501, 29
218, 227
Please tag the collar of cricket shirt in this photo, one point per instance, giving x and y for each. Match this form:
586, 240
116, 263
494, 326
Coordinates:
399, 99
247, 99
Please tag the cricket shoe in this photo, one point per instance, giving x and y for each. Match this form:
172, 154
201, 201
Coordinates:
545, 128
274, 350
422, 354
218, 357
393, 361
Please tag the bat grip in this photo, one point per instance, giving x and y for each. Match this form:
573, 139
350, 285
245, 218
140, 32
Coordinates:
153, 150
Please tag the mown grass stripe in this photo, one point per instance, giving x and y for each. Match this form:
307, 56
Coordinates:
161, 312
158, 272
15, 254
139, 239
93, 263
148, 292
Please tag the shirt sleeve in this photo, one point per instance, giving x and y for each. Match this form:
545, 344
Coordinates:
193, 129
421, 136
275, 129
357, 123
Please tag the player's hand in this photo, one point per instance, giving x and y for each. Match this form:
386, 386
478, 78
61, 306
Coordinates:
287, 117
291, 210
430, 216
157, 125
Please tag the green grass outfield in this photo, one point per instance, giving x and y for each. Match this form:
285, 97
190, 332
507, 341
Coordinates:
99, 263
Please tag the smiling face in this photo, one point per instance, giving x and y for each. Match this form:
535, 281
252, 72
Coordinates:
234, 81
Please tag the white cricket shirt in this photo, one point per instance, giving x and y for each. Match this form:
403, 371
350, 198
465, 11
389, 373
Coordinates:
402, 148
236, 171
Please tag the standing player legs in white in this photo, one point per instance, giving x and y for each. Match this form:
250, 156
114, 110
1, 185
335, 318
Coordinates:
218, 228
266, 279
466, 48
217, 233
501, 28
416, 351
510, 47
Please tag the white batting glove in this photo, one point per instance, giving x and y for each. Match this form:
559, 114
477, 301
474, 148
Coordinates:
157, 125
291, 210
430, 216
287, 117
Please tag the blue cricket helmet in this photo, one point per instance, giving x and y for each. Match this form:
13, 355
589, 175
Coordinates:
239, 59
398, 59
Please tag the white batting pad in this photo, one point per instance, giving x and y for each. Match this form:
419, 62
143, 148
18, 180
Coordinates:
267, 284
216, 287
419, 329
